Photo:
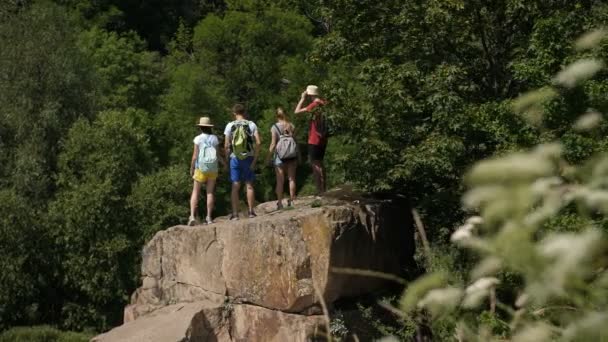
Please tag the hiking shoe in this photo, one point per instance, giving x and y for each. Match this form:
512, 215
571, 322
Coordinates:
191, 221
280, 205
234, 217
209, 220
290, 203
252, 214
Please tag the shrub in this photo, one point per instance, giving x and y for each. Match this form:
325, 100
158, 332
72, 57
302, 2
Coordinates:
42, 333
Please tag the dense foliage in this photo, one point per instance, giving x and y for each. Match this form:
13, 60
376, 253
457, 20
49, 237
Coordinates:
540, 239
98, 101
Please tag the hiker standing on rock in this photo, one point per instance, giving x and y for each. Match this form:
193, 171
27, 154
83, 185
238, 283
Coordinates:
242, 143
284, 153
203, 169
317, 134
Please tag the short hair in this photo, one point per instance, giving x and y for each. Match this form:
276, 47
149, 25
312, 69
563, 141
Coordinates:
238, 109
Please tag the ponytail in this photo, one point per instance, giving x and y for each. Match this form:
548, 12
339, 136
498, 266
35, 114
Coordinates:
281, 115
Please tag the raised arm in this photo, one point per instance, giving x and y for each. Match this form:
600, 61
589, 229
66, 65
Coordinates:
300, 107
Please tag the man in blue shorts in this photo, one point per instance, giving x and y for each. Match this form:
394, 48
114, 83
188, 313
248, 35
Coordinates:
242, 143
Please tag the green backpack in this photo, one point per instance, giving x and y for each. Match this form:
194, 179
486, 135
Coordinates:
241, 139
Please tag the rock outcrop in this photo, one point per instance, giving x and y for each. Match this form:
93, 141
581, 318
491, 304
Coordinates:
261, 279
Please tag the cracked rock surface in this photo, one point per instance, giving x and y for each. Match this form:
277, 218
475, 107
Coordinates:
254, 279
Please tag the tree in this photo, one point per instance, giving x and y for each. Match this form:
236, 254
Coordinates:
93, 230
422, 89
127, 75
46, 84
23, 261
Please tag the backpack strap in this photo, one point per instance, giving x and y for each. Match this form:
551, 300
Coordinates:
208, 140
278, 130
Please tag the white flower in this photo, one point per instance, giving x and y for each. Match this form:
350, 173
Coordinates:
514, 167
588, 121
477, 291
481, 195
542, 185
570, 254
578, 71
464, 232
489, 266
597, 199
437, 300
388, 339
549, 150
590, 39
537, 332
482, 284
522, 300
592, 324
475, 220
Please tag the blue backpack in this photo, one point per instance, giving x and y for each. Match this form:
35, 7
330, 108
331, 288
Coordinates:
207, 156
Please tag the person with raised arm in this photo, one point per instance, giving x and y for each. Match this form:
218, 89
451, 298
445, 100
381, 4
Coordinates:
312, 103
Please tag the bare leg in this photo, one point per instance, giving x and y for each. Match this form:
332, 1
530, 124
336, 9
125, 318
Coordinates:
234, 197
280, 172
323, 177
291, 175
210, 197
196, 189
250, 196
317, 171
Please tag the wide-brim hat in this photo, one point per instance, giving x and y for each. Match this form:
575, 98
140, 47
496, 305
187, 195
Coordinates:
204, 122
312, 90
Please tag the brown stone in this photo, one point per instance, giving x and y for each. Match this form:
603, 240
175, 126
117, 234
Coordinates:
258, 279
276, 260
206, 322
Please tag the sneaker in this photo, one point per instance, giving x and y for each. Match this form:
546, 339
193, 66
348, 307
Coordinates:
209, 220
290, 203
280, 205
234, 217
191, 221
252, 214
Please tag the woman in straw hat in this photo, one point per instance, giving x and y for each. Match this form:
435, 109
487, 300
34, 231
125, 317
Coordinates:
312, 103
203, 169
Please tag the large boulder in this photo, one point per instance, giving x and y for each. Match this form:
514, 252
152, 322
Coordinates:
276, 260
262, 279
206, 322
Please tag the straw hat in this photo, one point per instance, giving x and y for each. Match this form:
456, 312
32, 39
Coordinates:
204, 122
312, 90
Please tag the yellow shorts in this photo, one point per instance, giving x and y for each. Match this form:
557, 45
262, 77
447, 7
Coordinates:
203, 177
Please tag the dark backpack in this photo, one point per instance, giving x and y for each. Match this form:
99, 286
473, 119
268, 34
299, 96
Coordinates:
324, 126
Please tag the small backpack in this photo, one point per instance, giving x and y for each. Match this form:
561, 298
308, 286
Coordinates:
242, 142
287, 148
207, 156
323, 125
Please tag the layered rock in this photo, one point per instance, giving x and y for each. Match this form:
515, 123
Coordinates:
205, 322
269, 269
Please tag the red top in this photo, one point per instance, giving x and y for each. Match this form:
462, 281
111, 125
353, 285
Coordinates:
314, 135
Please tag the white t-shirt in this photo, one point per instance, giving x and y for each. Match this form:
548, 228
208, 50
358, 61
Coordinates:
228, 131
211, 139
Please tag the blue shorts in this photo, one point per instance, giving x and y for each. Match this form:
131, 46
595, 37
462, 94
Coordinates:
240, 170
